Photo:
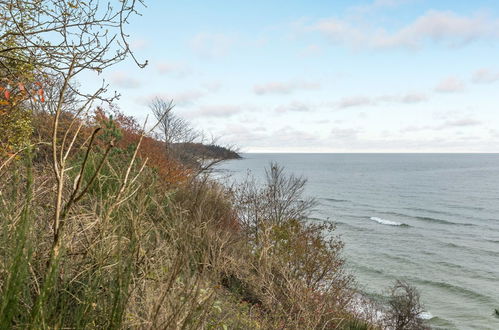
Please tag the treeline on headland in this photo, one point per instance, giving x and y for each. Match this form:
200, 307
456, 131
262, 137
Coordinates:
106, 223
212, 151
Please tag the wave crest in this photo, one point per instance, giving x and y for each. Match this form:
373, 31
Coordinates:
387, 222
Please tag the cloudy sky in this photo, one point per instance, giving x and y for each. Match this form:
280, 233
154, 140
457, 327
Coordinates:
322, 76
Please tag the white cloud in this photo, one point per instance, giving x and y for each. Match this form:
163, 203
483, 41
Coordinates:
260, 139
184, 98
449, 124
138, 44
289, 135
464, 122
212, 45
444, 27
485, 76
218, 111
355, 101
344, 133
349, 140
414, 98
494, 133
361, 100
123, 80
242, 135
293, 106
284, 87
172, 68
187, 97
450, 85
212, 86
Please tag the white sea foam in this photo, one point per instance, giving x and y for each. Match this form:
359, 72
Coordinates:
426, 316
366, 308
370, 310
386, 222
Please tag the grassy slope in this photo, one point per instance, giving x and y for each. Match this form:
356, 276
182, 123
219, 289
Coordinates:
170, 254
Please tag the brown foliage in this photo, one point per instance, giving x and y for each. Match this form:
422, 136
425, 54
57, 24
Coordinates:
124, 130
151, 150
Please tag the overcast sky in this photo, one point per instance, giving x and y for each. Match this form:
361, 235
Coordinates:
322, 76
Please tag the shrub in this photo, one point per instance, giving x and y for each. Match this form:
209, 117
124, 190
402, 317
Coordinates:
404, 308
296, 273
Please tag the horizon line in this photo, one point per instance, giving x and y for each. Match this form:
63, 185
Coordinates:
373, 152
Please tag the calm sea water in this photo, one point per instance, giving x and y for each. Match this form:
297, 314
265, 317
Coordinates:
430, 219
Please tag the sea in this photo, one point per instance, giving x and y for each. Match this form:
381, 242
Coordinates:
429, 219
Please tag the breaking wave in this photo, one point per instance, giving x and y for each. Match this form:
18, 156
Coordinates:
388, 222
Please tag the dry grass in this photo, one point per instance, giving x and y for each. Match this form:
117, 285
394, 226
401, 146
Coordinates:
140, 252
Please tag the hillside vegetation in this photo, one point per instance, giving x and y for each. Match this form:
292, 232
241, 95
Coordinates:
107, 224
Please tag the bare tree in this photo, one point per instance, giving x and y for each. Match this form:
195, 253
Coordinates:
286, 195
51, 90
404, 308
280, 199
184, 143
65, 35
173, 129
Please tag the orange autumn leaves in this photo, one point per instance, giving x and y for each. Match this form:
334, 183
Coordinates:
152, 150
18, 125
12, 93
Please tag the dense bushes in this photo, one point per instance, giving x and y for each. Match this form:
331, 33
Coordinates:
159, 257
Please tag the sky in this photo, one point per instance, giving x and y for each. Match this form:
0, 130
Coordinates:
321, 76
